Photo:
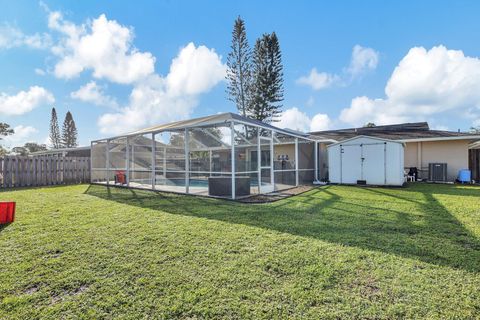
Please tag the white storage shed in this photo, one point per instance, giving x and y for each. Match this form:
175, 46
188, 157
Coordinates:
366, 160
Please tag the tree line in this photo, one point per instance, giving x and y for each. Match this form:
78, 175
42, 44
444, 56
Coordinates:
255, 77
67, 138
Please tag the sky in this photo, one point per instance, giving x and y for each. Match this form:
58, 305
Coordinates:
123, 65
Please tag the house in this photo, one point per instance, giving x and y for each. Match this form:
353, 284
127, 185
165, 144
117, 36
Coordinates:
65, 152
227, 155
459, 150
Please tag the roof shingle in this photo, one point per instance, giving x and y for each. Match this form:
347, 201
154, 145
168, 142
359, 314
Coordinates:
403, 131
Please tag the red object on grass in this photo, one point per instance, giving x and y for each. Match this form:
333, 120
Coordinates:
120, 177
7, 212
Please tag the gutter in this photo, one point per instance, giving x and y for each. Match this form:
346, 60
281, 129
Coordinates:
470, 137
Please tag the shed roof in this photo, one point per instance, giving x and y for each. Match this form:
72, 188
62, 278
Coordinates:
365, 138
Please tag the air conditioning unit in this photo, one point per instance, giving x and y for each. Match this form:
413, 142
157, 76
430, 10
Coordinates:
437, 172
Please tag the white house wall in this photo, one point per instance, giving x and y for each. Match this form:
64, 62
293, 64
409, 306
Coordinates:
454, 153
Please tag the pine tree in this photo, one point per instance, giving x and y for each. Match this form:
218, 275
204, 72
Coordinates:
239, 73
275, 78
54, 131
69, 132
260, 74
268, 79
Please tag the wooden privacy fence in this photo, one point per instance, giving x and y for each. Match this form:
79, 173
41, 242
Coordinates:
43, 171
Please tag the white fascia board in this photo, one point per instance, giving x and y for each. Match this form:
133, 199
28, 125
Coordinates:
472, 137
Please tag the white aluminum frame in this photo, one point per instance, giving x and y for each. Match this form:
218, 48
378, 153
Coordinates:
231, 123
271, 188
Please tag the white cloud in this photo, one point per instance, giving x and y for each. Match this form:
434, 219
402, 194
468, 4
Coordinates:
101, 45
158, 99
194, 71
12, 37
40, 72
24, 101
425, 83
93, 93
318, 80
22, 135
363, 59
320, 122
295, 119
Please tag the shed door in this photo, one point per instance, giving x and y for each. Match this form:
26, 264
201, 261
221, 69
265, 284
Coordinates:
351, 163
374, 163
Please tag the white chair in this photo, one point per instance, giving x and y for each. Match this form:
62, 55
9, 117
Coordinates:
407, 177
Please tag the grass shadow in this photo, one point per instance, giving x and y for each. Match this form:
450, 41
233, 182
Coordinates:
410, 222
4, 226
16, 189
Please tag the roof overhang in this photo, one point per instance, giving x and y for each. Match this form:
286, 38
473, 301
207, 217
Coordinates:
466, 137
62, 150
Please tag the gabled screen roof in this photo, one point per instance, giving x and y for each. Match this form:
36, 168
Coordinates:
221, 118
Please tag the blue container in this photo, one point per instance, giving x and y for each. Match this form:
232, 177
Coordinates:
464, 175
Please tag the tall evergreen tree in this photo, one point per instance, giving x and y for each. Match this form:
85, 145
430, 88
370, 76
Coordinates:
239, 73
260, 75
55, 138
69, 132
268, 79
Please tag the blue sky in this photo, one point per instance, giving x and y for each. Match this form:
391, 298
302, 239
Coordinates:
121, 65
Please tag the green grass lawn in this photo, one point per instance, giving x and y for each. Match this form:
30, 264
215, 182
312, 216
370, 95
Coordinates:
333, 252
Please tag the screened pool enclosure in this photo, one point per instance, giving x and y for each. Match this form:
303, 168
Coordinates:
224, 155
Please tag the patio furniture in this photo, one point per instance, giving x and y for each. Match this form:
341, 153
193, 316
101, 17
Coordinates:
413, 172
120, 177
408, 177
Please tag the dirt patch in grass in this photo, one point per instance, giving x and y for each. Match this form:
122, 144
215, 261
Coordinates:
32, 289
69, 293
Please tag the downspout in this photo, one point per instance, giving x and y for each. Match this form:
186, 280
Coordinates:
385, 163
296, 162
127, 151
187, 162
107, 160
232, 130
154, 151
